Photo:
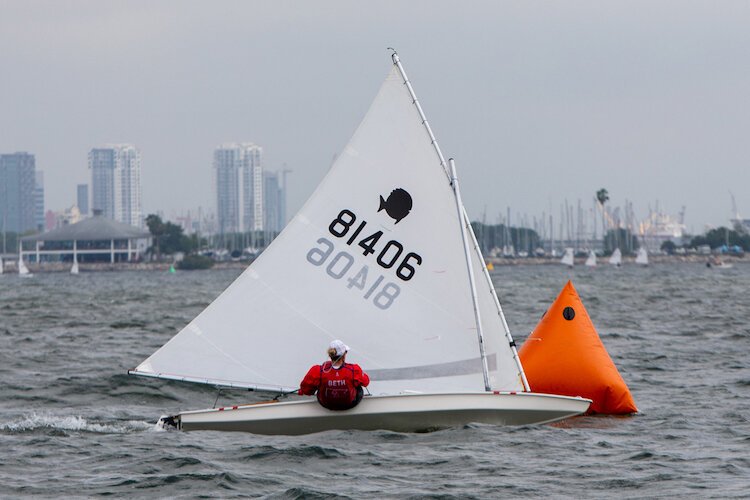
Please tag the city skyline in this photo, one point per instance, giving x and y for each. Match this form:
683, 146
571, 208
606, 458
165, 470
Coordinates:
538, 104
258, 197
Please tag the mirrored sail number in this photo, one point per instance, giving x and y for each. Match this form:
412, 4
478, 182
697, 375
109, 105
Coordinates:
341, 263
389, 253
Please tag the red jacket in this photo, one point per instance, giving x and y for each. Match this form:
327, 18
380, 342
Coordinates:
336, 387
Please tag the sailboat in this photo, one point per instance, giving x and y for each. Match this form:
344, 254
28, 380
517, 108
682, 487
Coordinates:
616, 258
74, 268
642, 256
567, 258
591, 259
23, 271
717, 263
382, 256
1, 265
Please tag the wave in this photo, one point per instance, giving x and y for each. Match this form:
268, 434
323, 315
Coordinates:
44, 422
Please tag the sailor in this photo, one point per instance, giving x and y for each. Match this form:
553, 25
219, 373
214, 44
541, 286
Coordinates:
338, 384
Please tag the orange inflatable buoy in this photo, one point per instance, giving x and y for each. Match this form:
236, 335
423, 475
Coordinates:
564, 355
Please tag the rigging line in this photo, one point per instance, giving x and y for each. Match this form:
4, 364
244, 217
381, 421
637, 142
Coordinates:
469, 267
493, 292
285, 393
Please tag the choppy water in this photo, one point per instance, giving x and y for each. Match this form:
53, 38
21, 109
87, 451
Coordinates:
73, 424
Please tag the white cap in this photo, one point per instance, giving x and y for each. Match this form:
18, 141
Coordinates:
340, 347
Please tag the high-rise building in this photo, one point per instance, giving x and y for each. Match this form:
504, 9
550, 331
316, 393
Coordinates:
227, 178
116, 182
273, 203
17, 192
128, 186
39, 200
102, 165
82, 198
239, 165
252, 187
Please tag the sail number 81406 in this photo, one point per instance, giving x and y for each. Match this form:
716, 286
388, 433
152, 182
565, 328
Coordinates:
389, 254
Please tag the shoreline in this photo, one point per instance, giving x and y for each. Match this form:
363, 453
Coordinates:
604, 261
10, 267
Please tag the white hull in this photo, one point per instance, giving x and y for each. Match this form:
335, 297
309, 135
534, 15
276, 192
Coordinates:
401, 413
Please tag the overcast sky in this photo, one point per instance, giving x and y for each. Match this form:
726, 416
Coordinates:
538, 102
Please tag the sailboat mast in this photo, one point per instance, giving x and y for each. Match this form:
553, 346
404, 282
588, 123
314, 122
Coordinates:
459, 206
470, 270
488, 280
397, 62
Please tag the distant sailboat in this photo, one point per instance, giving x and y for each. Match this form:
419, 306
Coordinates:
74, 269
642, 257
716, 263
616, 258
591, 260
22, 269
1, 265
567, 258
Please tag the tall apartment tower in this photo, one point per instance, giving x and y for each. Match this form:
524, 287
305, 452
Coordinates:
82, 198
116, 182
252, 187
39, 200
273, 203
239, 187
18, 192
227, 175
102, 165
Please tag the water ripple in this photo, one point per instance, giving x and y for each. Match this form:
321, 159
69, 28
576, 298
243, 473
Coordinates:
73, 424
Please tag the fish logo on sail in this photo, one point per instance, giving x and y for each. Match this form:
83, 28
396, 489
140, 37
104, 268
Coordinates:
398, 205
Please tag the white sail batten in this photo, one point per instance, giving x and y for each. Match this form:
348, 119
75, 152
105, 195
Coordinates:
374, 258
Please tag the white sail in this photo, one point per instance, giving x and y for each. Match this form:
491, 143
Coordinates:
375, 258
642, 256
74, 268
567, 258
22, 269
616, 258
591, 259
1, 265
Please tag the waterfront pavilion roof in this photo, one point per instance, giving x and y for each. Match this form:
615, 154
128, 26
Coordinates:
93, 229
